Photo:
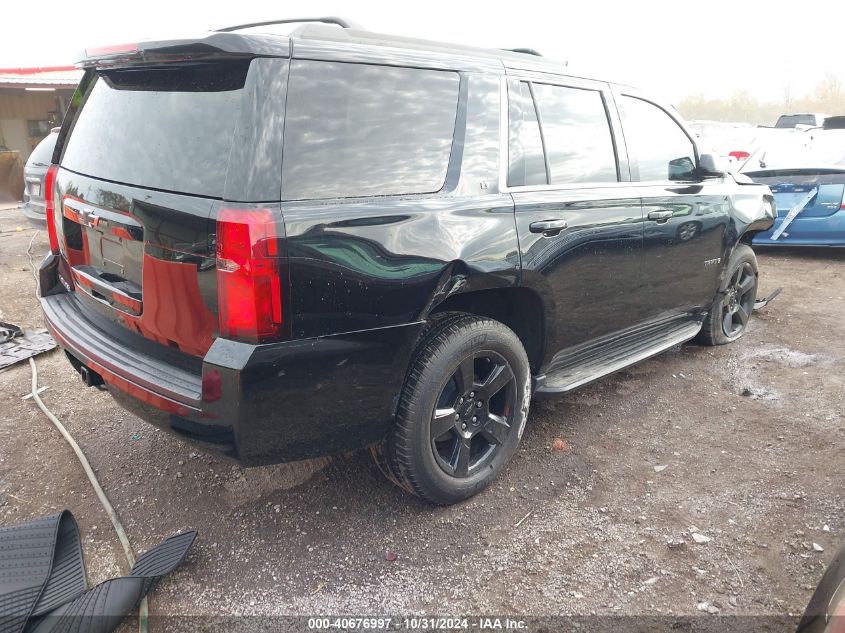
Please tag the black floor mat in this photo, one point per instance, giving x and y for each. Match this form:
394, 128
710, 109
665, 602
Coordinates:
102, 608
42, 579
40, 568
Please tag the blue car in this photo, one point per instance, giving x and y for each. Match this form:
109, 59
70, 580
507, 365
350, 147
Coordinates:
806, 173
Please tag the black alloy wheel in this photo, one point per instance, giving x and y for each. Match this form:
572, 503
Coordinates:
462, 410
729, 314
474, 414
738, 302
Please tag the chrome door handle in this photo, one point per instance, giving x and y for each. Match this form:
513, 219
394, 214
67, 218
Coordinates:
660, 215
548, 227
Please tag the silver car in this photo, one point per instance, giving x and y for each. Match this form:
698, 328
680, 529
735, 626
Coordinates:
33, 175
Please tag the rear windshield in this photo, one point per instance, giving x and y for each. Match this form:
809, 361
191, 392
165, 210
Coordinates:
821, 149
364, 130
166, 128
42, 155
791, 120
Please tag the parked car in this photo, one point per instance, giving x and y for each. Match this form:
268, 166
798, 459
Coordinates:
339, 239
806, 173
834, 123
802, 119
33, 174
825, 612
728, 140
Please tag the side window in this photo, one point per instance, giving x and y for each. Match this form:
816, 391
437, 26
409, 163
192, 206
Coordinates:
355, 130
661, 148
526, 163
577, 134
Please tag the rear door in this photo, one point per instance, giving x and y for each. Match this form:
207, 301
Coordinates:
578, 219
685, 218
145, 166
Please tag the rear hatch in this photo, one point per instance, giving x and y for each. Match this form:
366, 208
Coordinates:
144, 165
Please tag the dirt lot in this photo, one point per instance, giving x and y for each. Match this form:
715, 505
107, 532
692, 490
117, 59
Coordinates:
743, 444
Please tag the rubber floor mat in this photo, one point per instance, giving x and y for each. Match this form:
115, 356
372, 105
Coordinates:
42, 579
102, 608
41, 567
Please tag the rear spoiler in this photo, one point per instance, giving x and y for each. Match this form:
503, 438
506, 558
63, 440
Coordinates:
215, 45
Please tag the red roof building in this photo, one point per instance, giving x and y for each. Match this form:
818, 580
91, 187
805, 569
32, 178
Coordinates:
32, 101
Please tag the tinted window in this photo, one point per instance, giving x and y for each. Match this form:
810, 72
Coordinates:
577, 134
527, 165
791, 120
661, 148
361, 130
169, 128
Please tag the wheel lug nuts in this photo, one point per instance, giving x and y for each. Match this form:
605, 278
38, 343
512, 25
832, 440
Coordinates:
461, 400
478, 404
457, 416
474, 419
472, 394
464, 427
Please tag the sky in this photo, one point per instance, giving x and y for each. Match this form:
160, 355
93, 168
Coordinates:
673, 49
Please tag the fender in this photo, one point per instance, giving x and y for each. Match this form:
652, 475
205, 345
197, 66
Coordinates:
752, 211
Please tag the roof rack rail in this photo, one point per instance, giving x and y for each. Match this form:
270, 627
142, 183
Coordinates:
527, 51
346, 24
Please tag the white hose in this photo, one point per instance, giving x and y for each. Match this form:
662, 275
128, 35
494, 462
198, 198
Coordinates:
143, 609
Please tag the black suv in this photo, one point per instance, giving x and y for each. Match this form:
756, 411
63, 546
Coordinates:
288, 246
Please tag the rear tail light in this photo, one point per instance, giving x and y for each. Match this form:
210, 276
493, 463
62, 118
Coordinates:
739, 155
50, 207
249, 284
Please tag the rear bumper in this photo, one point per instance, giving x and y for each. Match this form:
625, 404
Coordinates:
261, 403
34, 212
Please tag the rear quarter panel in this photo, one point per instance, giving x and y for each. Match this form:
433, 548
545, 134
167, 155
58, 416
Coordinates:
357, 264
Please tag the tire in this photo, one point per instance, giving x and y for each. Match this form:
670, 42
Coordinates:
455, 431
727, 319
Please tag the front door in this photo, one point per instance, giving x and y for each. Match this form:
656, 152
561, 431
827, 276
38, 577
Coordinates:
685, 218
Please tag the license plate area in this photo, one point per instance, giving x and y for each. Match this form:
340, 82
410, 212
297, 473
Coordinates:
106, 250
33, 187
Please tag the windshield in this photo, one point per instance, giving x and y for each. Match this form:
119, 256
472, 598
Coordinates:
791, 120
804, 150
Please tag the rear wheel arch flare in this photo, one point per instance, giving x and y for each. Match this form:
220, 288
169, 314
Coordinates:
519, 308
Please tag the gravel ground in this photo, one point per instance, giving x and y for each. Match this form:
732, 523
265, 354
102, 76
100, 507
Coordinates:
740, 444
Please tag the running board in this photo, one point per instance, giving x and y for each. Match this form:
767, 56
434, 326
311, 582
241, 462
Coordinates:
588, 363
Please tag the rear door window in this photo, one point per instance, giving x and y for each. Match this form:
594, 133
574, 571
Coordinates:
526, 162
166, 128
354, 130
661, 148
577, 135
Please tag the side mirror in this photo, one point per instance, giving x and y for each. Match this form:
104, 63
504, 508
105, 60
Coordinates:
681, 169
711, 166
